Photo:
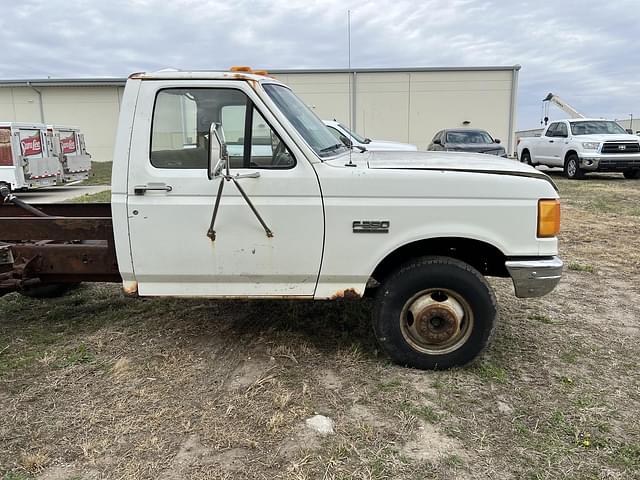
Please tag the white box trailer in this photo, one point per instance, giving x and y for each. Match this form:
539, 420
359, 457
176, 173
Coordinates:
25, 161
69, 147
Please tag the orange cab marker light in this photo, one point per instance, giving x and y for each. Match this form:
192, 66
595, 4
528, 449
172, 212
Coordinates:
264, 73
240, 68
548, 217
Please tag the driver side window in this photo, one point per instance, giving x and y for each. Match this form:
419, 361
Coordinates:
181, 121
267, 150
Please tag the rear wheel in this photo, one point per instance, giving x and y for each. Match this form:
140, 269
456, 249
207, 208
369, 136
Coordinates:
434, 313
526, 158
631, 174
572, 167
5, 185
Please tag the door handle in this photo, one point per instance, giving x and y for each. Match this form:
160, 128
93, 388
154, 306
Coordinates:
550, 141
156, 187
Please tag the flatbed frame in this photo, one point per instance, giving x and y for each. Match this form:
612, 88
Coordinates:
72, 243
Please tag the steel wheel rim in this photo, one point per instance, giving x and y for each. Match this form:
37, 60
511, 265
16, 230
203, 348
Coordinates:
436, 321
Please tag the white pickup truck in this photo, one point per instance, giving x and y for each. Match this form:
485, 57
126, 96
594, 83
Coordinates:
309, 219
583, 145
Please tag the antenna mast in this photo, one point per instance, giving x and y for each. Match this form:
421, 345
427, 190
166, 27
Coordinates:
350, 77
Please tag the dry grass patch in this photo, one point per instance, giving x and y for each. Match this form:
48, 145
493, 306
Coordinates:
173, 388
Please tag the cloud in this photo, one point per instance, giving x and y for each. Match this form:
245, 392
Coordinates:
585, 51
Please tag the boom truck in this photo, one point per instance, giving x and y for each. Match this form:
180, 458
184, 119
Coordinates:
198, 211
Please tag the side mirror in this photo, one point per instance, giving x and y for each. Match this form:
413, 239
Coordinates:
437, 141
496, 140
218, 158
346, 141
629, 131
367, 140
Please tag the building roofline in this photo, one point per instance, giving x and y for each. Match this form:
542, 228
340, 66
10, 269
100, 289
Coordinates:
120, 81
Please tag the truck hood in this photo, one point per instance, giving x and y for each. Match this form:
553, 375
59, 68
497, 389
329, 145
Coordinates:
452, 161
607, 137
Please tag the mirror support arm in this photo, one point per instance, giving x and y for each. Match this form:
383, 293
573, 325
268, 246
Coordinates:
211, 233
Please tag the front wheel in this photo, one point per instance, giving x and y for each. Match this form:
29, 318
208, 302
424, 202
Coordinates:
572, 168
631, 174
434, 313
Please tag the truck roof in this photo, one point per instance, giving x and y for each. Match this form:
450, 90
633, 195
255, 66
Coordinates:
203, 75
581, 120
39, 126
62, 127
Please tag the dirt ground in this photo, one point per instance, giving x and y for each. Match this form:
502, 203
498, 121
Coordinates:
94, 385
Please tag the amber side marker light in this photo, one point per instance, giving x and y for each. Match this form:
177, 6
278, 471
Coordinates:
548, 218
240, 68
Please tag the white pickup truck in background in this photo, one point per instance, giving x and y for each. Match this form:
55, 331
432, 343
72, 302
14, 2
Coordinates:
349, 138
301, 217
583, 145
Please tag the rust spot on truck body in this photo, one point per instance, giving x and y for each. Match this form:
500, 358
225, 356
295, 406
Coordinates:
349, 294
130, 289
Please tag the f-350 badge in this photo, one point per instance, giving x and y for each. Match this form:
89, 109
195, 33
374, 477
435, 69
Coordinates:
371, 226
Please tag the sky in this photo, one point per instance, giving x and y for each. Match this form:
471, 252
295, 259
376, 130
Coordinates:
588, 51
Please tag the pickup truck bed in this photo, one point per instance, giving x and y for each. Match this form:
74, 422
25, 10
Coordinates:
72, 243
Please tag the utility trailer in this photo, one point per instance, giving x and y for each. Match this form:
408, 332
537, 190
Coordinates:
69, 147
25, 159
54, 246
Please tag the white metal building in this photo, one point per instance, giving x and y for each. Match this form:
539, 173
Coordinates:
402, 104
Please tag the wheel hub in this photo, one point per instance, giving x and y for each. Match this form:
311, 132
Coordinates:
437, 318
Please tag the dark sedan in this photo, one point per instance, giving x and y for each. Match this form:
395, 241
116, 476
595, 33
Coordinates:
467, 140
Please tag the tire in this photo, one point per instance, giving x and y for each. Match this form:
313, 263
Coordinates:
572, 168
526, 158
7, 185
631, 174
52, 290
457, 314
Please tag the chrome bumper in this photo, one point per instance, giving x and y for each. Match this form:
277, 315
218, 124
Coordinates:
611, 163
534, 278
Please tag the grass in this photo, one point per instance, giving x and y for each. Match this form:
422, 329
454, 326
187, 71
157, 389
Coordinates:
99, 197
100, 174
542, 318
97, 384
581, 267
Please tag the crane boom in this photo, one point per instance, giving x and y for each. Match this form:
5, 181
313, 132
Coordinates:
562, 105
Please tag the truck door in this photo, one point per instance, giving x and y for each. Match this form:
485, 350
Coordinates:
558, 147
170, 199
543, 148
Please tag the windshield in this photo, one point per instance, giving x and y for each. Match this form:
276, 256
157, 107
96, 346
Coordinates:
308, 125
471, 136
596, 127
359, 138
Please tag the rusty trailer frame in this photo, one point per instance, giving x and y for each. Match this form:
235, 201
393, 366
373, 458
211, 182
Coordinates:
54, 244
